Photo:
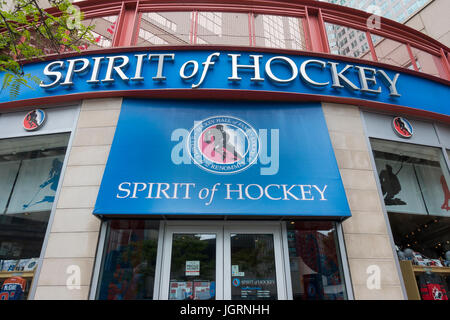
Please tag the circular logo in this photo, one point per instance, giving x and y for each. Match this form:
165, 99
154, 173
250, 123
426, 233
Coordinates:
402, 127
236, 282
223, 145
34, 120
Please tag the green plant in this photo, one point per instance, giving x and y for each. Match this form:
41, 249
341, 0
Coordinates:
28, 31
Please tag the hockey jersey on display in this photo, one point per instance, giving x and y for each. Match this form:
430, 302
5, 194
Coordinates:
432, 287
13, 288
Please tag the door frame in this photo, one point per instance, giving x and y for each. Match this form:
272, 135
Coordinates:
280, 265
170, 230
223, 230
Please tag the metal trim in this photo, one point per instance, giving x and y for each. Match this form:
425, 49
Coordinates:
344, 259
98, 260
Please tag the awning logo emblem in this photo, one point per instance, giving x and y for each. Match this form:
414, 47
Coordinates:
223, 144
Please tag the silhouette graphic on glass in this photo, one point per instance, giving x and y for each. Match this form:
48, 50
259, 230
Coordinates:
221, 140
446, 194
390, 186
52, 180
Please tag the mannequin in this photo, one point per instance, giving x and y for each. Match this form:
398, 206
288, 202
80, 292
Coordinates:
409, 254
447, 259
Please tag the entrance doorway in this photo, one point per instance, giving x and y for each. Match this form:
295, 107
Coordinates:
220, 260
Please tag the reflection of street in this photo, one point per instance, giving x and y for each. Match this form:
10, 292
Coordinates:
133, 271
314, 263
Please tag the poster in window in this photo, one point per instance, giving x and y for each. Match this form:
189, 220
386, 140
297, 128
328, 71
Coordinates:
36, 185
192, 268
8, 172
400, 187
434, 189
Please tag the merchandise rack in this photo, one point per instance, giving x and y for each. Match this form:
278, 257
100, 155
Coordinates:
23, 274
27, 275
410, 271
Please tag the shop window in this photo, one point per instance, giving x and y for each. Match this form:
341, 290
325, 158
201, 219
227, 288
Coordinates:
30, 170
129, 260
414, 181
165, 28
316, 271
412, 178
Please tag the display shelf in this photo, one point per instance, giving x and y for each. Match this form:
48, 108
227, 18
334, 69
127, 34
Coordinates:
409, 279
421, 269
23, 274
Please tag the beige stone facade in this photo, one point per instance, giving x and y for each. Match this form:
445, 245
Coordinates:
74, 231
366, 233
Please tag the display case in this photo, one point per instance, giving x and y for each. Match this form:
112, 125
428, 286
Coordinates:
411, 275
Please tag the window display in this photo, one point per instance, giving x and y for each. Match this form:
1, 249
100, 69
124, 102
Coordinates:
414, 181
129, 260
13, 288
316, 271
411, 177
30, 169
432, 287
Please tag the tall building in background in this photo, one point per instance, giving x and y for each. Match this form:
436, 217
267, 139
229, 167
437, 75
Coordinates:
350, 42
397, 10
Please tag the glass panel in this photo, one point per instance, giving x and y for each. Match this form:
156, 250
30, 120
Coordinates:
391, 51
426, 62
279, 32
347, 42
253, 274
226, 28
428, 236
30, 169
316, 271
398, 10
414, 179
129, 260
165, 28
193, 267
103, 32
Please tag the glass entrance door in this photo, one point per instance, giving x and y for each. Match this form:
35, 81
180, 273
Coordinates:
223, 261
254, 268
192, 263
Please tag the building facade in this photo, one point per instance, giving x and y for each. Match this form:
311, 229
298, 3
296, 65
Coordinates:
225, 151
